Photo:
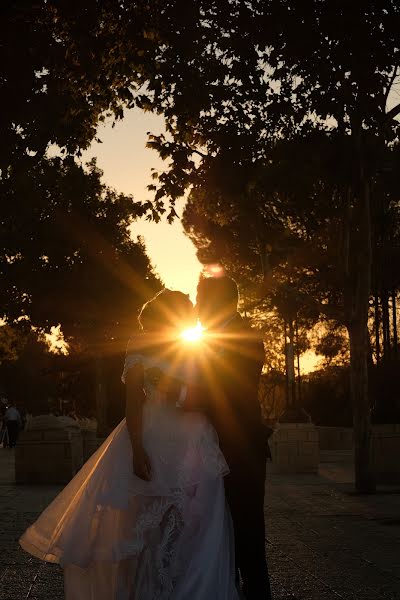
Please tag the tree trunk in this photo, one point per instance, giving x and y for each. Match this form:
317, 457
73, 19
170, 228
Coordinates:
385, 323
377, 328
290, 366
293, 413
287, 387
299, 398
358, 308
364, 478
394, 317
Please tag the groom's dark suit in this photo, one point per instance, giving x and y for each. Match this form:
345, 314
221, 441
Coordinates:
231, 372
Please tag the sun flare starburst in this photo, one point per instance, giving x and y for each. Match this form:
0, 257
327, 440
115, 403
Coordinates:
193, 334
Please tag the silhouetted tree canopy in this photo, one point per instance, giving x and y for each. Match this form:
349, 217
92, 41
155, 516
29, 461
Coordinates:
67, 255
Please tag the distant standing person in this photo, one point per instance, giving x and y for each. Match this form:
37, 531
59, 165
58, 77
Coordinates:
22, 411
13, 422
3, 432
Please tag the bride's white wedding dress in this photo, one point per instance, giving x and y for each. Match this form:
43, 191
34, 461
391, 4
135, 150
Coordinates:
118, 537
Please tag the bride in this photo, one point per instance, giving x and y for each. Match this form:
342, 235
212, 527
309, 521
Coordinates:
146, 518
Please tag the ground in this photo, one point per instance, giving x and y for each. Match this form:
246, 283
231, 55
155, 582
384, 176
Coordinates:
323, 541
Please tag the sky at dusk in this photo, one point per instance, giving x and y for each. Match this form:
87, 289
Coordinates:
127, 165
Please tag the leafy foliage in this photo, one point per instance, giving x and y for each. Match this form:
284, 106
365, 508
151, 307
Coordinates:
326, 396
67, 255
11, 343
23, 373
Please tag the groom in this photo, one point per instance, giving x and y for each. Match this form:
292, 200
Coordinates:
232, 366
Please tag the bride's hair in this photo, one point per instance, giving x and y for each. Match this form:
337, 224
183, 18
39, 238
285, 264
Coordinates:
168, 308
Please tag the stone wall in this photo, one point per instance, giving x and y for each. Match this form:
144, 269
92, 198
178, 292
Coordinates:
336, 444
335, 438
294, 448
298, 448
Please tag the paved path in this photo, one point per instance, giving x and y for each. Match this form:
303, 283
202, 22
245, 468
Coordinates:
323, 542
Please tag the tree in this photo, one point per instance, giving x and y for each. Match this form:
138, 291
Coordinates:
386, 253
23, 372
232, 80
67, 255
43, 103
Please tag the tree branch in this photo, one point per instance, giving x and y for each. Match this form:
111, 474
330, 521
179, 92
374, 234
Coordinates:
393, 113
197, 152
389, 87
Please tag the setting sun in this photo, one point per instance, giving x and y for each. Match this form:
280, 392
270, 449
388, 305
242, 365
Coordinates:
193, 334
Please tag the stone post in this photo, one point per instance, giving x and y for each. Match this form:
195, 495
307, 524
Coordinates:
48, 453
295, 448
386, 453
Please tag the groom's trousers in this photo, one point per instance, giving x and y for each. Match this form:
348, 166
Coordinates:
245, 486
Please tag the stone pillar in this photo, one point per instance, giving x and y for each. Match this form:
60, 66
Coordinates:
295, 448
386, 453
48, 456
